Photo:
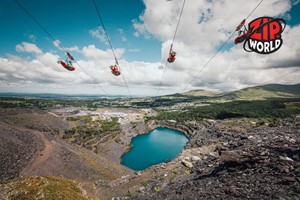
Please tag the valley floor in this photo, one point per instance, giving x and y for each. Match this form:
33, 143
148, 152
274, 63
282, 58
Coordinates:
224, 159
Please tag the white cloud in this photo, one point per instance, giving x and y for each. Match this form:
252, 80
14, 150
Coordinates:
122, 35
141, 29
99, 33
134, 50
136, 34
74, 49
28, 47
236, 68
56, 43
41, 71
92, 53
32, 37
205, 25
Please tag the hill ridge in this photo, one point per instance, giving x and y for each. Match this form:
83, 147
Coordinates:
252, 93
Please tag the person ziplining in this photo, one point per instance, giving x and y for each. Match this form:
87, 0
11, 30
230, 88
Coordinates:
67, 64
115, 69
172, 55
242, 32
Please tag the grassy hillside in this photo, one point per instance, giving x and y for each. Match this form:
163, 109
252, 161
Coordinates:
293, 89
42, 188
272, 91
266, 92
260, 109
258, 93
202, 93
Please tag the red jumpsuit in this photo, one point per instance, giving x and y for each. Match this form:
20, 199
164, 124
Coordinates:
172, 57
115, 71
67, 65
241, 38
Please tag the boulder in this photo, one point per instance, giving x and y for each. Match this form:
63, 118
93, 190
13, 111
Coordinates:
195, 158
187, 163
285, 158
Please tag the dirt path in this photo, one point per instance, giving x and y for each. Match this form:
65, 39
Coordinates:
51, 113
42, 156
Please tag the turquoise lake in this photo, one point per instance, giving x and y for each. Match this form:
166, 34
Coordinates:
160, 145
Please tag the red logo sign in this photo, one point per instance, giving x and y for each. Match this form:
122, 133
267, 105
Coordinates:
264, 35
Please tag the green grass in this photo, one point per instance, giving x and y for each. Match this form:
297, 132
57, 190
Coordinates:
269, 109
110, 125
260, 94
88, 133
293, 105
84, 118
50, 188
106, 169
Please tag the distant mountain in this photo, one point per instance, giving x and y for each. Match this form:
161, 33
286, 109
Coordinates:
293, 89
270, 91
204, 93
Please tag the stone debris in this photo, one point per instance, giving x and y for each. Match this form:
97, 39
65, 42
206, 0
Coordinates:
187, 163
261, 163
195, 158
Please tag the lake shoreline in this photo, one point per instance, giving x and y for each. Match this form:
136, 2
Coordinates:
175, 141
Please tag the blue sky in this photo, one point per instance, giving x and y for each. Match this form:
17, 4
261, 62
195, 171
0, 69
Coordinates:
70, 22
295, 14
141, 32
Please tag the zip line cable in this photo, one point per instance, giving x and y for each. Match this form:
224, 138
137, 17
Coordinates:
55, 41
100, 18
276, 78
165, 69
116, 60
91, 77
178, 22
59, 45
254, 9
279, 77
209, 61
111, 47
219, 49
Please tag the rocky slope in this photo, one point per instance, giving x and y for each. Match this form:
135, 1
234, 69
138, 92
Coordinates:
17, 148
225, 160
28, 148
20, 140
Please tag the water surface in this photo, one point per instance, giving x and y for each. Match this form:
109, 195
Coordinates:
160, 145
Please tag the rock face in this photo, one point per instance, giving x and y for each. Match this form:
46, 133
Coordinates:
29, 151
17, 148
18, 142
260, 163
